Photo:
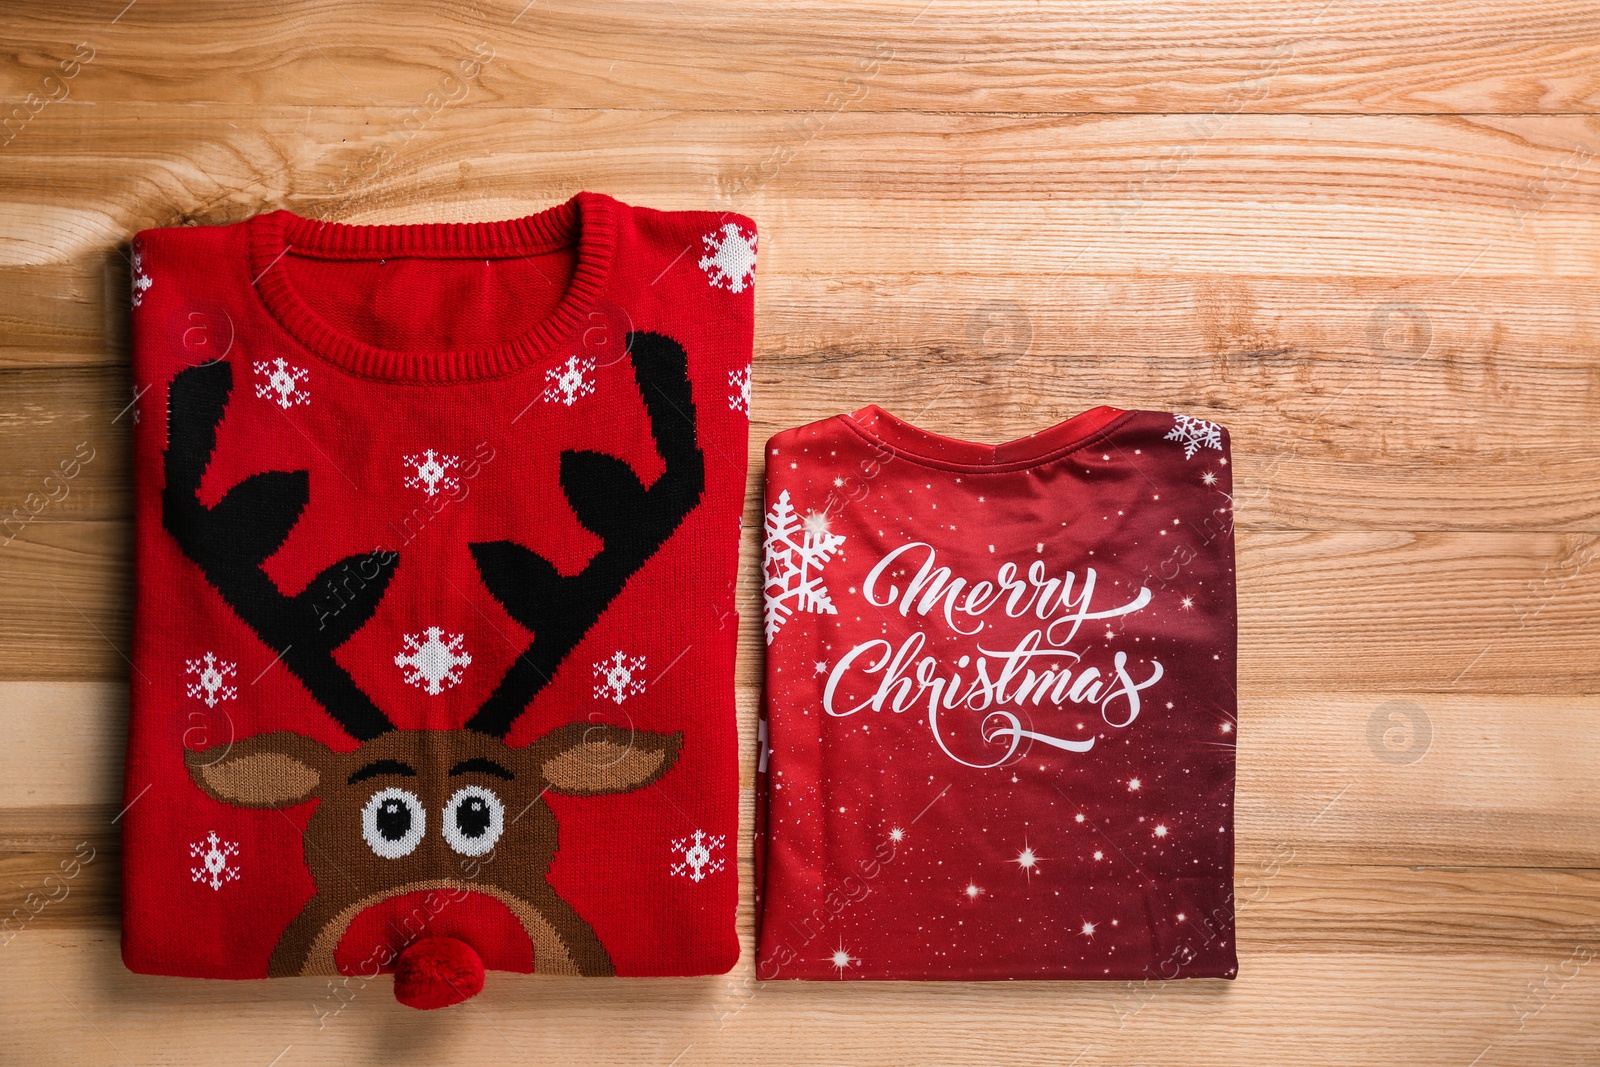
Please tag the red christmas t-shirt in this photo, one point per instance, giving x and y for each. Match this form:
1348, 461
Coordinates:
436, 542
1000, 707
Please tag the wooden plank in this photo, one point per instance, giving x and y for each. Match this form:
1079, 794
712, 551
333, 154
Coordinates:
1512, 612
1452, 777
1341, 777
1316, 439
67, 431
1295, 1009
1316, 445
73, 888
68, 586
1439, 197
1204, 331
1303, 56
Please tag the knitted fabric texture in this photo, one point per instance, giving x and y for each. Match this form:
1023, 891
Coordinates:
999, 702
436, 540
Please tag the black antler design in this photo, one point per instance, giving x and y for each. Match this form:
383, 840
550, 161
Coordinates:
610, 502
230, 540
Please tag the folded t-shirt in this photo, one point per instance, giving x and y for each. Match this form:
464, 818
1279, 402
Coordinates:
1000, 707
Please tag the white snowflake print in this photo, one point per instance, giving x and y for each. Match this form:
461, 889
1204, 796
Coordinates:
211, 679
568, 382
215, 856
283, 385
618, 677
699, 859
432, 472
141, 280
730, 258
1194, 434
433, 659
739, 390
792, 567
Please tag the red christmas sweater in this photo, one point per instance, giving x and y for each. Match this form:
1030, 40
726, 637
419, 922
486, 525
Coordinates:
436, 539
1000, 702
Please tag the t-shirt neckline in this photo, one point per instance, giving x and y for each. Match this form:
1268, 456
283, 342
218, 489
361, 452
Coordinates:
587, 221
912, 442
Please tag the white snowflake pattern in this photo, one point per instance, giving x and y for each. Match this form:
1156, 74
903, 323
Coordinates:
215, 855
433, 659
141, 280
739, 390
211, 679
567, 383
432, 472
284, 384
792, 567
619, 677
730, 258
699, 858
1194, 434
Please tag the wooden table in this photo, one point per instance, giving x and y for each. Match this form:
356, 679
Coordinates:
1363, 235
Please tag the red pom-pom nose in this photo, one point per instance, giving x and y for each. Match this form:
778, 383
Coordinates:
436, 972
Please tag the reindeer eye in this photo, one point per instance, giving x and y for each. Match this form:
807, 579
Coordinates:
392, 822
473, 820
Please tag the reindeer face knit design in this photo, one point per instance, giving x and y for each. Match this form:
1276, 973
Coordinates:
436, 538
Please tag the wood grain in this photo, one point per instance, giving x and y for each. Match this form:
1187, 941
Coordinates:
1318, 610
1365, 236
1440, 196
1350, 56
1343, 778
1300, 1009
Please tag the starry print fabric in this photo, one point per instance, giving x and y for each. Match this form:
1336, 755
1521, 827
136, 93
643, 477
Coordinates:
999, 719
